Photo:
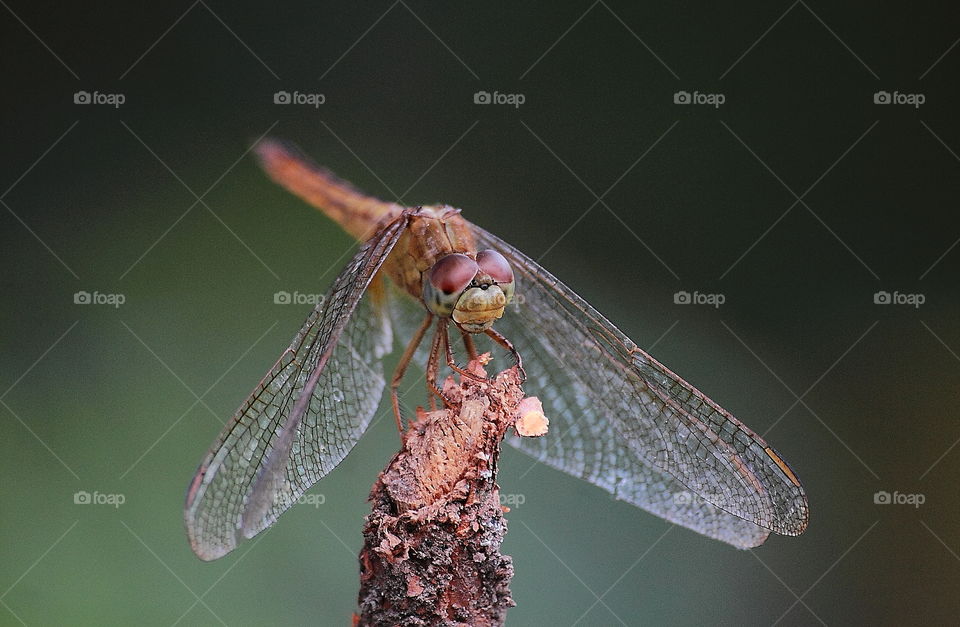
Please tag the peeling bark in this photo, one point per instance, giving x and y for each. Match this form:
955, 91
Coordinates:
431, 552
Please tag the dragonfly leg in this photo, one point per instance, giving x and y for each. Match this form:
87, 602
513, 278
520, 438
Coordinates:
440, 337
402, 368
507, 344
468, 344
443, 327
433, 366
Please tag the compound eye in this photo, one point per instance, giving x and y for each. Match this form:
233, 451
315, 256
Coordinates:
498, 268
496, 265
453, 273
446, 281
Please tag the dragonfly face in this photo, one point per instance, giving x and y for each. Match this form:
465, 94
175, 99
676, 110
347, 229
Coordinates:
472, 292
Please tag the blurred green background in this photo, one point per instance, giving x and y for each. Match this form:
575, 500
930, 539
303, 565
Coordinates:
104, 199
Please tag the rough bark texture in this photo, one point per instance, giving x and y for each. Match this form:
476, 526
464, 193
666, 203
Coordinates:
431, 552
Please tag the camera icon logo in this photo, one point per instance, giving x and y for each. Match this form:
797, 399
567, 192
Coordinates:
881, 298
282, 298
682, 498
682, 97
882, 498
82, 97
682, 298
281, 97
82, 298
482, 98
881, 97
82, 498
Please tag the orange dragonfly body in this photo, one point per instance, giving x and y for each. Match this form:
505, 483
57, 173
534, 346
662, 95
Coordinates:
619, 418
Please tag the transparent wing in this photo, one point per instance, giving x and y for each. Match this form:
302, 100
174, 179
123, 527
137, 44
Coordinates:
305, 415
624, 422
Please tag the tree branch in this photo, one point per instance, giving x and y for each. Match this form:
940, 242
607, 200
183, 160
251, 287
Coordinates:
431, 552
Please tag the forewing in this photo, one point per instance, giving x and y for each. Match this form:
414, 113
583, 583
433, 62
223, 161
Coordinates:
269, 454
624, 422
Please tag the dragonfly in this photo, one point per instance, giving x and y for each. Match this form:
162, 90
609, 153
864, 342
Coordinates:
619, 418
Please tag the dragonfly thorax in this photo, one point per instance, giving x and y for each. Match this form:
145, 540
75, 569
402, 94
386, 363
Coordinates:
474, 292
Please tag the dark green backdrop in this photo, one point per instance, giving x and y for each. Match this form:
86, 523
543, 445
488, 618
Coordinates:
103, 199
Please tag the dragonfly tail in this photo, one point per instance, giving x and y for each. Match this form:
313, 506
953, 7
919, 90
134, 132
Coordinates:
359, 215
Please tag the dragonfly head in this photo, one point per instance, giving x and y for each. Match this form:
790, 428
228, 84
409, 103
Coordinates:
473, 292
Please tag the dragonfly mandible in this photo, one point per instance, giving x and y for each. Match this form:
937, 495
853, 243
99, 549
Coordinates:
620, 419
